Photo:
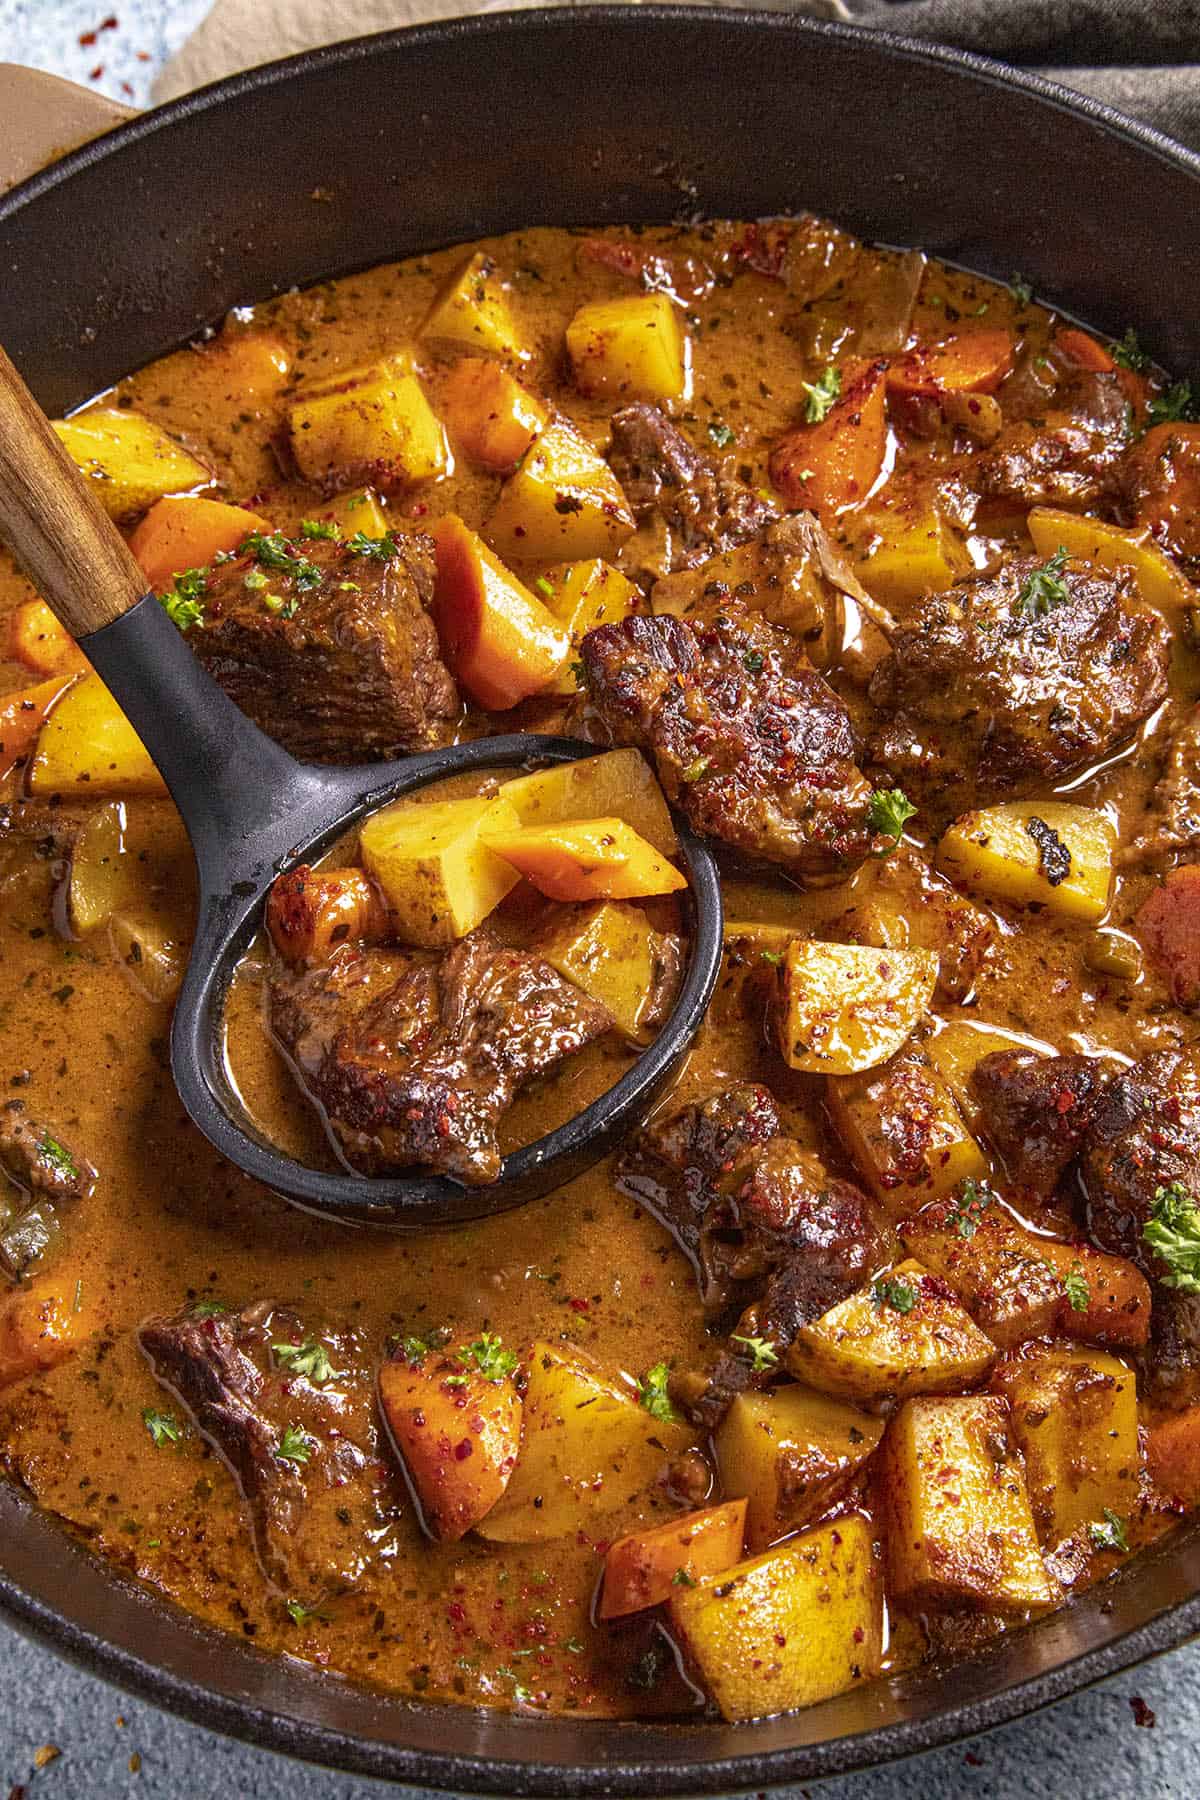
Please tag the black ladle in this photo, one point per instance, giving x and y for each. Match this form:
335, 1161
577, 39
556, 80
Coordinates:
252, 811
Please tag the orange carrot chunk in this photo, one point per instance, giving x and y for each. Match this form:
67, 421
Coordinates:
1168, 925
186, 532
965, 362
641, 1570
833, 463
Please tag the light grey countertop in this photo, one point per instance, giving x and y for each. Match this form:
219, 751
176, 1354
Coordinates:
1086, 1748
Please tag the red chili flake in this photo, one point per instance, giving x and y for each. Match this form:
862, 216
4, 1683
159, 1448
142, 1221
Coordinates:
127, 89
109, 24
578, 1305
972, 1761
97, 72
859, 1634
1064, 1100
143, 56
1142, 1714
87, 39
463, 1449
456, 1614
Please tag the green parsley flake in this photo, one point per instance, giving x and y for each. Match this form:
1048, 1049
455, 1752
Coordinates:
763, 1354
310, 1359
894, 1293
822, 394
163, 1428
1177, 403
721, 435
682, 1578
294, 1446
697, 769
1173, 1232
579, 671
752, 662
414, 1349
888, 813
1078, 1292
184, 604
379, 549
968, 1209
1109, 1533
488, 1358
58, 1157
1020, 290
1129, 353
652, 1393
208, 1309
318, 528
544, 587
301, 1614
271, 550
1044, 587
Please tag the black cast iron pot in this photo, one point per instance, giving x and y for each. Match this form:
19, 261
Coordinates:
408, 141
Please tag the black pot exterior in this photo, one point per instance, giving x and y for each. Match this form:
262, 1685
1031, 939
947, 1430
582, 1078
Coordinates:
391, 145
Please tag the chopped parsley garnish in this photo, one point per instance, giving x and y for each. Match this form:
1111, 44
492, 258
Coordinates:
652, 1392
380, 548
271, 550
888, 813
774, 957
208, 1309
1054, 858
1129, 352
301, 1614
57, 1156
414, 1349
681, 1578
697, 769
318, 528
163, 1428
255, 580
573, 1647
721, 435
968, 1209
1079, 1294
763, 1354
1177, 403
310, 1359
544, 587
752, 662
184, 604
1020, 290
579, 671
894, 1293
1108, 1533
294, 1446
1173, 1232
488, 1357
1044, 587
822, 394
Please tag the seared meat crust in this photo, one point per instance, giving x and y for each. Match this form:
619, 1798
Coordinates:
1036, 1110
705, 508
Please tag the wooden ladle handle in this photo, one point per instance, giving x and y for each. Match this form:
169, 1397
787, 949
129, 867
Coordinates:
55, 527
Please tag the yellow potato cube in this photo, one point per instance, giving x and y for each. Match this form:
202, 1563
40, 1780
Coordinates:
131, 460
472, 313
904, 1132
904, 1334
583, 596
961, 1531
797, 1625
632, 348
616, 781
374, 424
587, 1449
1162, 585
1035, 853
789, 1451
437, 874
87, 746
1075, 1416
562, 504
613, 954
909, 552
362, 511
587, 859
845, 1007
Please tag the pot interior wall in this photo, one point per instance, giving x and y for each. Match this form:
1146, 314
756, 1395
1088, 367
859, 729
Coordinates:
407, 142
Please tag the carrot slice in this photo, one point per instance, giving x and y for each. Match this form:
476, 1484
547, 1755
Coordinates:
23, 714
1168, 924
36, 639
1084, 349
966, 362
186, 532
640, 1570
832, 465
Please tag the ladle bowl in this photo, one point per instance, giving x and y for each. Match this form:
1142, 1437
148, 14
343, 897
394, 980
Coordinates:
252, 811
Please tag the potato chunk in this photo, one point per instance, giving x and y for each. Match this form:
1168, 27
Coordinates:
587, 1449
790, 1451
845, 1007
23, 716
593, 787
587, 859
1075, 1417
583, 596
631, 348
961, 1529
790, 1628
499, 642
1035, 853
1161, 584
472, 313
457, 1432
904, 1334
375, 425
642, 1569
132, 867
129, 458
360, 510
490, 415
611, 952
437, 874
908, 552
42, 1323
87, 746
563, 503
904, 1131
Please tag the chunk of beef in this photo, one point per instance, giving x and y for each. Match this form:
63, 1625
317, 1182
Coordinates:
748, 740
705, 508
987, 696
301, 1447
1158, 489
337, 656
37, 1159
1036, 1111
1145, 1135
906, 905
1065, 431
413, 1061
1172, 825
767, 1227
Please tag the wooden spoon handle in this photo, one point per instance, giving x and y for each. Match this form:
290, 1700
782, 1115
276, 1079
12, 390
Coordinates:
55, 527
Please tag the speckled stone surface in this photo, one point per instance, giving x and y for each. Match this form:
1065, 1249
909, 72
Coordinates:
1087, 1748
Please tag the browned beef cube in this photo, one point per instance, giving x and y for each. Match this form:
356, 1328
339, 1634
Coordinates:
414, 1060
993, 693
332, 652
38, 1160
748, 740
1035, 1111
291, 1413
1065, 429
704, 507
1144, 1135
